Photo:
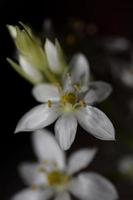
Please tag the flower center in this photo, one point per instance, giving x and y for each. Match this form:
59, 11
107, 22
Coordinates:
70, 102
69, 98
58, 179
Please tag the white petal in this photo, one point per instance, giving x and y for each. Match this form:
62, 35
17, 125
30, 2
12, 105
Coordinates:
52, 56
93, 187
80, 70
98, 92
63, 196
46, 148
12, 31
31, 175
31, 71
45, 92
80, 160
29, 194
38, 117
65, 130
96, 122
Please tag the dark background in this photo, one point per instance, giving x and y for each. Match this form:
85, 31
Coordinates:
113, 18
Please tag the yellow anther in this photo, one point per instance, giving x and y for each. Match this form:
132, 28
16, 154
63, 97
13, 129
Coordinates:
82, 103
34, 187
49, 103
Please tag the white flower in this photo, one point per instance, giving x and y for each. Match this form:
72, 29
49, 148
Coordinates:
35, 63
71, 105
52, 177
125, 166
30, 55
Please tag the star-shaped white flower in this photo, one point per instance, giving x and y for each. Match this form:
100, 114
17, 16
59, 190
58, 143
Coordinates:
52, 177
71, 105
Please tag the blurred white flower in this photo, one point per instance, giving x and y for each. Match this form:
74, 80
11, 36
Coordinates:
52, 177
122, 70
72, 105
125, 166
121, 65
116, 44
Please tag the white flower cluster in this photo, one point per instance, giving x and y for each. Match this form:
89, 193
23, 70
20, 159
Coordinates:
67, 96
52, 176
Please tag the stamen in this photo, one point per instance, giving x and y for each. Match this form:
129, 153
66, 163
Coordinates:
68, 78
34, 187
53, 164
77, 87
49, 103
82, 103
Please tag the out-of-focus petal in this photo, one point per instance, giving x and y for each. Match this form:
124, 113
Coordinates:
63, 196
37, 118
31, 175
125, 166
65, 130
47, 148
98, 92
45, 92
96, 122
80, 160
116, 44
29, 194
126, 76
94, 187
